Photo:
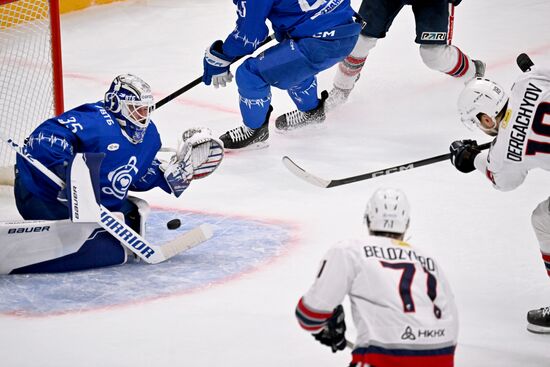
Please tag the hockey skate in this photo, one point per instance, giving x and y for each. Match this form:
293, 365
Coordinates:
480, 68
336, 97
539, 321
297, 119
245, 137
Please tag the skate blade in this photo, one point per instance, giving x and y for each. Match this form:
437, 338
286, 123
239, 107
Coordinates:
538, 329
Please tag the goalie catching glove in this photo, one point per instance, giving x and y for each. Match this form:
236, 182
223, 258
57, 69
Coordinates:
334, 333
197, 156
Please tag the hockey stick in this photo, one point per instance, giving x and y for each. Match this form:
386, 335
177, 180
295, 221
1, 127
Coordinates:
321, 182
127, 236
197, 81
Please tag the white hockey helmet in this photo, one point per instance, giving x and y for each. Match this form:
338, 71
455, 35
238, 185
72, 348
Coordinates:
481, 95
388, 211
130, 100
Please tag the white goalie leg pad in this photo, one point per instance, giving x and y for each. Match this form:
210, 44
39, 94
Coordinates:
82, 200
31, 242
349, 69
540, 219
143, 210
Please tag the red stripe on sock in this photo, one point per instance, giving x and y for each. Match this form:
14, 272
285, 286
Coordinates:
355, 60
466, 66
458, 63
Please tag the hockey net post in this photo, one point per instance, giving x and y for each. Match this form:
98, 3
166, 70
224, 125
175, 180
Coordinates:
31, 81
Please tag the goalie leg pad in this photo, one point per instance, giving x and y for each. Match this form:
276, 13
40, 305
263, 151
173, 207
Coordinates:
83, 187
141, 213
56, 246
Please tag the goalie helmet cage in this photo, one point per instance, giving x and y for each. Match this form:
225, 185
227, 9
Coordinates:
31, 81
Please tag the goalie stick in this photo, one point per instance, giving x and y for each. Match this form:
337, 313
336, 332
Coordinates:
149, 253
197, 81
322, 182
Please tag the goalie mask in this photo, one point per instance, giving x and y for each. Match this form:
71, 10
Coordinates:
130, 100
482, 96
388, 211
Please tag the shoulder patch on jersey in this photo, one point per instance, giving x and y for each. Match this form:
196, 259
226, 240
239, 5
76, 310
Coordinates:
506, 118
401, 243
112, 147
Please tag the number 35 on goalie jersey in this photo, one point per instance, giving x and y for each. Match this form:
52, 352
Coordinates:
398, 295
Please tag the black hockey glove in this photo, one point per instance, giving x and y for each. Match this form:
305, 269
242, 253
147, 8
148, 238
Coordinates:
463, 153
333, 335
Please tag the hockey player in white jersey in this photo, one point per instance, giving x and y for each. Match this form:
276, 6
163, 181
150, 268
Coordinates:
520, 122
402, 306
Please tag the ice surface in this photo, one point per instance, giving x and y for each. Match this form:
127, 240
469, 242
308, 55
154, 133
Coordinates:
240, 245
399, 112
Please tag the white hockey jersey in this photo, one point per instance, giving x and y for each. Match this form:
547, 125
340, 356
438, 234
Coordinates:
523, 140
402, 305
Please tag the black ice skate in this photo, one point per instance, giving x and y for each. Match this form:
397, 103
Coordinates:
539, 321
245, 137
297, 119
480, 68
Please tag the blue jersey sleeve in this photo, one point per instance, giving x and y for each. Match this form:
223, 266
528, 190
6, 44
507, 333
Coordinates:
251, 27
53, 145
152, 178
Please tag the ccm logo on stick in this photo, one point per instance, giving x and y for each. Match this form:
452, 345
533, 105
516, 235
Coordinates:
391, 170
29, 229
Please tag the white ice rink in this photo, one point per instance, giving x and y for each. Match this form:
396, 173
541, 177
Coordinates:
399, 112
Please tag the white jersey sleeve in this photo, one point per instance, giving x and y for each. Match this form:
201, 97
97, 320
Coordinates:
334, 278
523, 140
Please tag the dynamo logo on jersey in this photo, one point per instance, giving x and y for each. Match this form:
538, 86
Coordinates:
121, 179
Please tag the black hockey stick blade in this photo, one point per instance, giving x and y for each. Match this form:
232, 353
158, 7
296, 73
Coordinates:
198, 81
524, 62
322, 182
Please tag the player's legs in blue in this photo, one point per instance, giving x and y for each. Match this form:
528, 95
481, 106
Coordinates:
291, 65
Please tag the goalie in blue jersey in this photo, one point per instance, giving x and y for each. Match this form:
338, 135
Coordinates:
118, 129
313, 35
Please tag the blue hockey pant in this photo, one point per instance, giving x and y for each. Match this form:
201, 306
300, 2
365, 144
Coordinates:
292, 65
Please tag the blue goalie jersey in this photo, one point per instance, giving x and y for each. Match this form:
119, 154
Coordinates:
289, 19
90, 128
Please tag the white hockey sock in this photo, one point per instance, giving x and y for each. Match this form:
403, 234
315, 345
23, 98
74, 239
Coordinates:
449, 60
349, 69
